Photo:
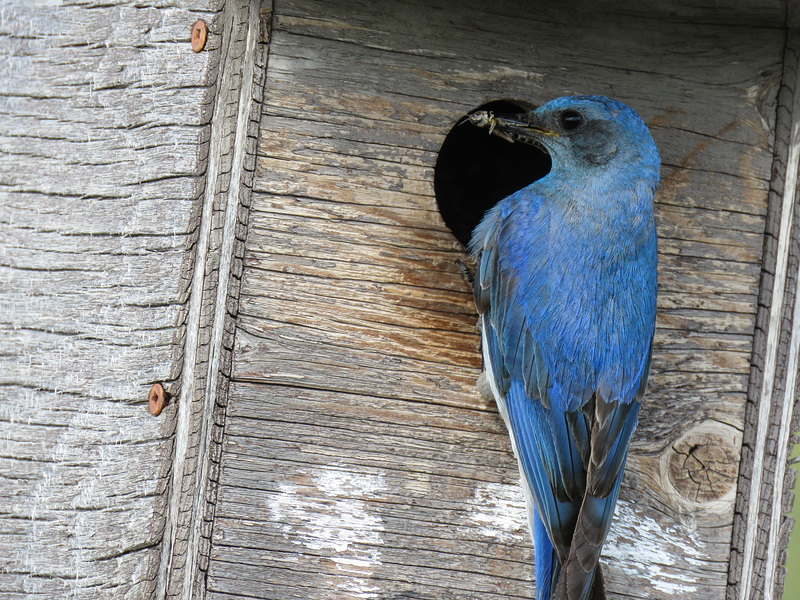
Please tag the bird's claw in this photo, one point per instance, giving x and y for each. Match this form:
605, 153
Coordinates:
466, 272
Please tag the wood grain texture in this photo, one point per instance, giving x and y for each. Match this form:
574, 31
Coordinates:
103, 118
240, 33
765, 490
359, 460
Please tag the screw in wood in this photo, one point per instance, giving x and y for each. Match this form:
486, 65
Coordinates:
158, 398
199, 35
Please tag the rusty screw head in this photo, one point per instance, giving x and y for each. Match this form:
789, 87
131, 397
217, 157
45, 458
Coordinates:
159, 398
199, 35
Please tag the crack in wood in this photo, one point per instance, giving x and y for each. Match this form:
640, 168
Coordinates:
213, 305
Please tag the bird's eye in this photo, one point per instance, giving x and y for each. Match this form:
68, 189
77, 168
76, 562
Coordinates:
570, 120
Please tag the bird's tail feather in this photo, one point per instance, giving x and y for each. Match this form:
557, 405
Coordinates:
548, 566
581, 569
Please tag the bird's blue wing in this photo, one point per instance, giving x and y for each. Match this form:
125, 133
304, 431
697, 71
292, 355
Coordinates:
555, 479
572, 461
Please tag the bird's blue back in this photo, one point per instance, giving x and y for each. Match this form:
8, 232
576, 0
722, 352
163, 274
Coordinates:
566, 287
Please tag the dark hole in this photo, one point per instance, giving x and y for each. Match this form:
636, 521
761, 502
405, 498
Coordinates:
475, 170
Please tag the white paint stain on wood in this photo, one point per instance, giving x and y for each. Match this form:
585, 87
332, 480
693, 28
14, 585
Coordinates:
497, 510
331, 517
643, 548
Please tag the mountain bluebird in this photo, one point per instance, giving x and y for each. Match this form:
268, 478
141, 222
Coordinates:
566, 289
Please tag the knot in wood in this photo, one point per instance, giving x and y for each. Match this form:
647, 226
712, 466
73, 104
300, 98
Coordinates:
704, 463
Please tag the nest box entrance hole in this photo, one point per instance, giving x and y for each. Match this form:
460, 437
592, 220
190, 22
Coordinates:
475, 169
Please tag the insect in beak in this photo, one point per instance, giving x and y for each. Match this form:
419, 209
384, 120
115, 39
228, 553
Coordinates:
510, 128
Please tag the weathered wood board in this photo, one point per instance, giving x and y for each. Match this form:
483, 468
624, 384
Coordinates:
358, 459
103, 113
339, 447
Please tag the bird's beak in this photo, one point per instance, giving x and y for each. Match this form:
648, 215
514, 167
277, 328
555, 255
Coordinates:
514, 128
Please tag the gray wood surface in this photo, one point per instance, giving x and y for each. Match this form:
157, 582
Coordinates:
240, 34
102, 119
358, 459
765, 490
304, 304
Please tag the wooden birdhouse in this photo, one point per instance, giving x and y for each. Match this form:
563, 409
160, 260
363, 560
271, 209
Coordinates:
240, 201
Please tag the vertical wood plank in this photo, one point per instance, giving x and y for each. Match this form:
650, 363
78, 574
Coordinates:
242, 31
102, 130
765, 488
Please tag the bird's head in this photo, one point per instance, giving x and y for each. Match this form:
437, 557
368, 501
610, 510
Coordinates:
581, 132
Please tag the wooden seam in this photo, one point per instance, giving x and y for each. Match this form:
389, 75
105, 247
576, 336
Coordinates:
226, 193
767, 404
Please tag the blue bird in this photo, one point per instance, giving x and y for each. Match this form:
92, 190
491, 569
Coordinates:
566, 288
